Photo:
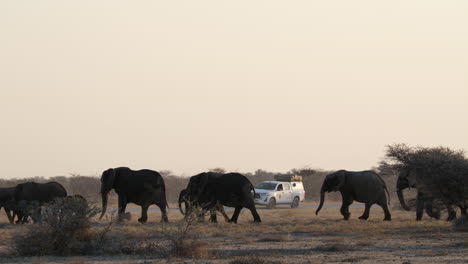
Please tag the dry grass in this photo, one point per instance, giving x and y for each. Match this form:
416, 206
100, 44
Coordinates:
275, 238
283, 236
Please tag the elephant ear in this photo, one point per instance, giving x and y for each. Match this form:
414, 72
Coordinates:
107, 180
203, 182
340, 178
412, 177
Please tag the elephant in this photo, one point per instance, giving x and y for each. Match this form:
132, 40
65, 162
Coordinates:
6, 196
407, 179
208, 189
141, 187
26, 209
362, 186
32, 195
189, 208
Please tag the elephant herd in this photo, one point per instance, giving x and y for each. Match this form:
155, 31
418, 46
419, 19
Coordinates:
210, 191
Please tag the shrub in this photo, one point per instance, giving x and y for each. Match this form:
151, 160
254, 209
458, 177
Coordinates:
186, 243
63, 230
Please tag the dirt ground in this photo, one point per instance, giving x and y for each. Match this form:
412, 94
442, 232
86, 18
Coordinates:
284, 236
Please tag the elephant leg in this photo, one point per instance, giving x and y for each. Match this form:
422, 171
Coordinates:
365, 215
144, 214
201, 216
345, 207
20, 216
122, 207
213, 218
452, 214
419, 206
162, 207
431, 211
221, 209
384, 206
251, 206
209, 206
235, 215
26, 219
463, 211
8, 213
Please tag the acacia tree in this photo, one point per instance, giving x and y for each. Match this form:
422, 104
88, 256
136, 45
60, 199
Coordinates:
440, 171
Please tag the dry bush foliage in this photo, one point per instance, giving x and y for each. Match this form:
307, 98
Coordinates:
63, 230
186, 242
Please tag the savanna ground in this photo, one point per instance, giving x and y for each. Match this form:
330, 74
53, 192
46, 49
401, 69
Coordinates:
285, 236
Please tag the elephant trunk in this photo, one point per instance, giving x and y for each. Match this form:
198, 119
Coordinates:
402, 199
180, 208
322, 199
104, 204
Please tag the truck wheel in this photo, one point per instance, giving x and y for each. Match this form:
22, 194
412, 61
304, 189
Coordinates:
295, 202
272, 203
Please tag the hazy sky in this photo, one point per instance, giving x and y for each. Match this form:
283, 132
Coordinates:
191, 85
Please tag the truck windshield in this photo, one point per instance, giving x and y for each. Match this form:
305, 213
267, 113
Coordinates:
266, 186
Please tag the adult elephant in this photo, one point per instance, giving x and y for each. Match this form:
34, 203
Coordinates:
362, 186
190, 208
209, 189
407, 179
142, 187
32, 193
6, 197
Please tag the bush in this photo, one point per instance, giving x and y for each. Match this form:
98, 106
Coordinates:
185, 243
63, 230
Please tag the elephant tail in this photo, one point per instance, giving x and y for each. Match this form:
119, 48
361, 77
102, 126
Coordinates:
253, 189
385, 187
388, 194
165, 197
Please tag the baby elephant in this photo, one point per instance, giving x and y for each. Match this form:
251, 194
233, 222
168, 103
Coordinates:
190, 208
363, 186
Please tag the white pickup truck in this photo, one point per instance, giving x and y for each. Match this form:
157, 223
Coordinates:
271, 193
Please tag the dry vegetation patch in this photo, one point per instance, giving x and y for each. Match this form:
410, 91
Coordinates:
64, 229
299, 237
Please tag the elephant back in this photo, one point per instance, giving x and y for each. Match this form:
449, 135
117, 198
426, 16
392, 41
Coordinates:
366, 186
231, 189
42, 192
